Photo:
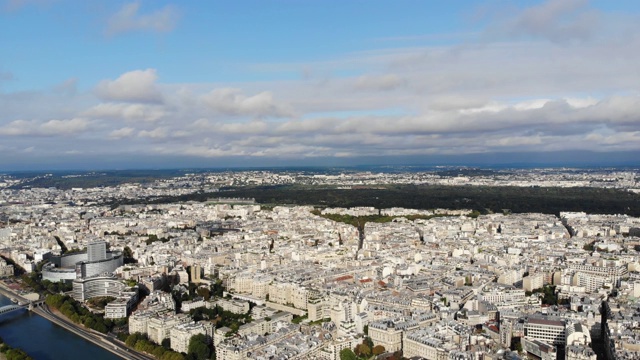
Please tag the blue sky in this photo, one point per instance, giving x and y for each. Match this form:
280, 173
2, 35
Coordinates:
129, 83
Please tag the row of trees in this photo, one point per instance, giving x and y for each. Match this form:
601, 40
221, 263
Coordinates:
140, 342
77, 313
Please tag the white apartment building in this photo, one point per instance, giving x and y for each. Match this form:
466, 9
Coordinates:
5, 269
503, 296
158, 328
187, 306
180, 335
546, 330
234, 306
534, 281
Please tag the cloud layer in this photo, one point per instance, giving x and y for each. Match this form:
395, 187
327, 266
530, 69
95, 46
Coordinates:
559, 77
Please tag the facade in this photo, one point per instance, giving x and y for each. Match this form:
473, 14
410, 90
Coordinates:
421, 344
5, 269
532, 282
117, 309
96, 251
187, 306
181, 335
546, 330
107, 285
159, 327
234, 306
385, 333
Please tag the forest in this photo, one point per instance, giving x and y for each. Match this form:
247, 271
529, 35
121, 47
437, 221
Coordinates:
482, 199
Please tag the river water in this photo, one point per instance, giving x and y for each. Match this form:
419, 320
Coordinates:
43, 340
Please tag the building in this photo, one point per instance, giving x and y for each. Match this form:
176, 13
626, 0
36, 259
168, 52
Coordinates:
106, 285
187, 306
180, 335
6, 269
159, 326
532, 282
537, 349
234, 306
580, 353
96, 251
545, 330
119, 308
195, 273
95, 261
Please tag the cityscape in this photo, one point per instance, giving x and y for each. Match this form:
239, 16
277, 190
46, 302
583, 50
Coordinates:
278, 281
319, 180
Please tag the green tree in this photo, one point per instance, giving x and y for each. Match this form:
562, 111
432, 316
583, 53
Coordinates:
133, 339
158, 352
172, 355
347, 354
198, 347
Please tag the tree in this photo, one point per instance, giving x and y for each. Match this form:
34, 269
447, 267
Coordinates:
347, 354
204, 292
172, 355
363, 350
127, 252
158, 352
367, 341
198, 347
378, 349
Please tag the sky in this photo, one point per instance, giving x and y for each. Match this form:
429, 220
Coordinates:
108, 84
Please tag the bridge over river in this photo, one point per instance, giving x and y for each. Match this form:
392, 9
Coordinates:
10, 308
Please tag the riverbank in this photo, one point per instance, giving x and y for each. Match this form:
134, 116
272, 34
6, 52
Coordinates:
108, 343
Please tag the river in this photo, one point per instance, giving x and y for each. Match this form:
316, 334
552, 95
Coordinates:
43, 340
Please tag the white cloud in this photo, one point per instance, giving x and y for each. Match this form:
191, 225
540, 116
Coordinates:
129, 19
129, 112
125, 132
48, 128
157, 133
233, 102
133, 86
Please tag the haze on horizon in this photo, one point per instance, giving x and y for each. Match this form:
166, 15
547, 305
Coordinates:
113, 84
